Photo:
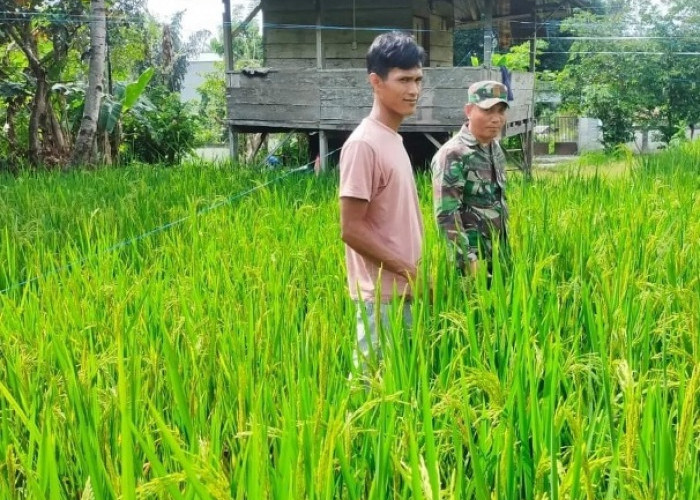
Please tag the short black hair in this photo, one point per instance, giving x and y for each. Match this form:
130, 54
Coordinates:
394, 50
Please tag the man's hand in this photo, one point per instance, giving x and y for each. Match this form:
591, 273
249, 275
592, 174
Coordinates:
357, 233
422, 287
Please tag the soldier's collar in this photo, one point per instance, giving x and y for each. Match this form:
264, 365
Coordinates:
468, 138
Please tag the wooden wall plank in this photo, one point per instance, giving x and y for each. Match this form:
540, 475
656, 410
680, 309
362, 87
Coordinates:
276, 6
275, 114
377, 19
339, 99
282, 40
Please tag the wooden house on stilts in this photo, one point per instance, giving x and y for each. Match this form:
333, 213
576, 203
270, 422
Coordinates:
315, 81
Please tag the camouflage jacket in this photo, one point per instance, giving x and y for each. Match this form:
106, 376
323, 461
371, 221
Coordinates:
469, 185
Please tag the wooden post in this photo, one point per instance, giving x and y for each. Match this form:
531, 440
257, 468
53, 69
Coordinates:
228, 60
322, 138
319, 36
323, 150
528, 143
488, 34
233, 144
228, 53
533, 43
529, 137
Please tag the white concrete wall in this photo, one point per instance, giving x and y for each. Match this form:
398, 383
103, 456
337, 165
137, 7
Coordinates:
590, 137
213, 153
196, 72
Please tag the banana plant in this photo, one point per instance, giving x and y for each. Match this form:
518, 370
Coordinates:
125, 97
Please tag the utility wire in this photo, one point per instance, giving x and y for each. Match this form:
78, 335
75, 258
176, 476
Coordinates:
66, 18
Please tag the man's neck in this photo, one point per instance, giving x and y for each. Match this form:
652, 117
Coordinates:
391, 120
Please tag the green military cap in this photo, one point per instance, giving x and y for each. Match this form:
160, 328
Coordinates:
487, 93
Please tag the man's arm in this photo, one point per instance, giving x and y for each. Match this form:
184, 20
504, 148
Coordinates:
448, 194
357, 233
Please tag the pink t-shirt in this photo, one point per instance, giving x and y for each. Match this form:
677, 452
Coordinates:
374, 166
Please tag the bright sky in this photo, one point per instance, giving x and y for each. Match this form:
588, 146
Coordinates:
199, 14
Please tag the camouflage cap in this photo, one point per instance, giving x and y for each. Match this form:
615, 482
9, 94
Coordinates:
487, 93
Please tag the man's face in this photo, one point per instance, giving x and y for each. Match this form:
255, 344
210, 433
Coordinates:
486, 124
398, 93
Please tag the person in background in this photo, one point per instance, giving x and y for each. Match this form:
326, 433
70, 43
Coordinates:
380, 218
469, 181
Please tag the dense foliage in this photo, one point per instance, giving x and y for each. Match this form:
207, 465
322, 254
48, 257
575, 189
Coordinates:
44, 55
163, 133
636, 68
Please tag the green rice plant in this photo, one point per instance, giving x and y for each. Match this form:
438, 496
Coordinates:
210, 358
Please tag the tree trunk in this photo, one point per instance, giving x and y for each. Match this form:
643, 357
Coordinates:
106, 148
168, 57
256, 145
9, 163
25, 39
60, 146
62, 117
12, 109
82, 152
36, 118
115, 139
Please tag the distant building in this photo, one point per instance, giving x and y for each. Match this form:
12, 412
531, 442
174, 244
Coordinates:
197, 69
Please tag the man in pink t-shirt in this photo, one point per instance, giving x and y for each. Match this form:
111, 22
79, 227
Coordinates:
380, 216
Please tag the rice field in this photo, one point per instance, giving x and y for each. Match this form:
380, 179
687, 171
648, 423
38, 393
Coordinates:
162, 338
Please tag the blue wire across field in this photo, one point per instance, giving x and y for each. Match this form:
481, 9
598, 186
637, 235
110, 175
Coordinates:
122, 244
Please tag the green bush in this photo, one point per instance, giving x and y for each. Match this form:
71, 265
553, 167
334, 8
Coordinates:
164, 134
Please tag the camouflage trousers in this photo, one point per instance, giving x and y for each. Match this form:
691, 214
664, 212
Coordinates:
376, 322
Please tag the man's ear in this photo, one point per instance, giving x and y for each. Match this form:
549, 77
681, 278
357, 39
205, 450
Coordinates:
374, 80
467, 109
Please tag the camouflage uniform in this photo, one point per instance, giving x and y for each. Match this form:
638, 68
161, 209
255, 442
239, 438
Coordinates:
469, 185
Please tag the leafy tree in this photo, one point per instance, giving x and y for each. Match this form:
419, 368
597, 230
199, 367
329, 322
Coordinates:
46, 48
170, 53
518, 57
44, 33
212, 107
247, 46
678, 32
14, 96
160, 128
467, 43
131, 33
610, 75
632, 69
558, 44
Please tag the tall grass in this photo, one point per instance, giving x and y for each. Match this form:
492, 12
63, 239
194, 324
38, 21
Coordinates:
210, 360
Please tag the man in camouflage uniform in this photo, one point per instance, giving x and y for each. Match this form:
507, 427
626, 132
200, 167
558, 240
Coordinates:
469, 179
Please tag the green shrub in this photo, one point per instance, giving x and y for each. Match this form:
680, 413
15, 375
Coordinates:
164, 134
